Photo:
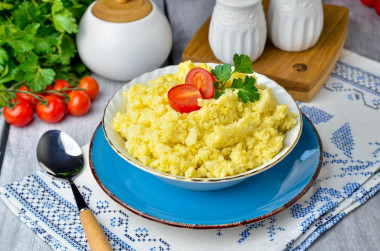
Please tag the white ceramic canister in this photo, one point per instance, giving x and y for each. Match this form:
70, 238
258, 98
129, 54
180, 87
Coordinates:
122, 50
237, 27
295, 25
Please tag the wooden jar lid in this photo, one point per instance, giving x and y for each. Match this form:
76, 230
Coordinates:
121, 11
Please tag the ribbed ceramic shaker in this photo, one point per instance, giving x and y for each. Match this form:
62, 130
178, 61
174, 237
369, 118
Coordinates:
120, 39
295, 25
237, 27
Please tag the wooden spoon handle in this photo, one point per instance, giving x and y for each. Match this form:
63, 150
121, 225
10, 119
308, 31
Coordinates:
95, 235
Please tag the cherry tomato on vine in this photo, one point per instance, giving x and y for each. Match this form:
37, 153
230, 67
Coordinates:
61, 84
203, 80
377, 7
20, 115
91, 86
368, 3
79, 103
48, 88
26, 96
184, 98
54, 111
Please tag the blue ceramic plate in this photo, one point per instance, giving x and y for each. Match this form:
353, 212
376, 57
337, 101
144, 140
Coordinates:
255, 199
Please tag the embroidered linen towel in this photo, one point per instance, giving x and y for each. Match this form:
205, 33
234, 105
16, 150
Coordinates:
346, 115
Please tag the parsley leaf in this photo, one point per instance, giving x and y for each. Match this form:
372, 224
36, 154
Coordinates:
66, 48
5, 6
247, 90
62, 18
20, 40
46, 40
242, 63
3, 59
38, 78
217, 94
27, 13
222, 72
9, 73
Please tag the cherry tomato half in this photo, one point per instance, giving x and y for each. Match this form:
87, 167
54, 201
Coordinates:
26, 97
184, 98
203, 80
79, 103
61, 84
90, 85
54, 111
20, 115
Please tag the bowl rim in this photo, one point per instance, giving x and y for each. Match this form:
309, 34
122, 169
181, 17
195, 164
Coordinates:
164, 175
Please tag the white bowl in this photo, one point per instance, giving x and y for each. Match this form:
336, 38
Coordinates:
123, 51
117, 142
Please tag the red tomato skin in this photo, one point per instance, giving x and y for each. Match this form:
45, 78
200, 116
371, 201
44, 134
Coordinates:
48, 88
184, 104
91, 86
26, 97
54, 111
203, 80
377, 7
21, 115
61, 84
79, 104
368, 3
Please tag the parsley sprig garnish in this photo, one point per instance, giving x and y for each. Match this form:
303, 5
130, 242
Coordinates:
222, 73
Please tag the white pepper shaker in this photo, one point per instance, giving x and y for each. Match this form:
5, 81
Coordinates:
237, 27
295, 25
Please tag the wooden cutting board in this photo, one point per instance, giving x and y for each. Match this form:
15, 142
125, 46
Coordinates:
302, 74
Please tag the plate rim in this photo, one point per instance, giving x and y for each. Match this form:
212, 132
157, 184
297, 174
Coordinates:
212, 226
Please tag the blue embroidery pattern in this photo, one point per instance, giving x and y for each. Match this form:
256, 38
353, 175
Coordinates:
328, 197
38, 198
357, 77
343, 140
360, 85
316, 115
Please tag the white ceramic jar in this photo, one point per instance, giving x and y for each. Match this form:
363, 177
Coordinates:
123, 51
295, 25
237, 27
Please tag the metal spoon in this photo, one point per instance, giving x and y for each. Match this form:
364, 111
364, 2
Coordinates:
60, 156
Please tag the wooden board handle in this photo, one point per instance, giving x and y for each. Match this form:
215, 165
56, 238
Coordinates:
95, 235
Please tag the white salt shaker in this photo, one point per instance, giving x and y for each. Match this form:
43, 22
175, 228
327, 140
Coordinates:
237, 27
295, 25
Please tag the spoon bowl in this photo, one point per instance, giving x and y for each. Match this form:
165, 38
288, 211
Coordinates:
60, 156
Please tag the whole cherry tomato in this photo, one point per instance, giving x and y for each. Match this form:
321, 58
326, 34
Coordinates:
54, 111
377, 7
20, 115
90, 85
48, 88
203, 80
26, 96
368, 3
184, 98
79, 103
61, 84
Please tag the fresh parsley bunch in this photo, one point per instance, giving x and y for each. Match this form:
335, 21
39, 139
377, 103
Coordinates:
37, 43
222, 73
